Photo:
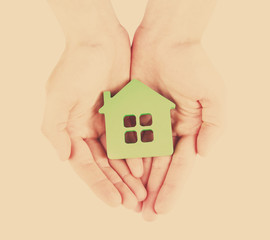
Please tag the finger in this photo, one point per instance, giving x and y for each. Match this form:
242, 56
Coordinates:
135, 184
157, 175
147, 163
180, 167
136, 166
120, 166
138, 208
83, 163
54, 125
213, 119
129, 200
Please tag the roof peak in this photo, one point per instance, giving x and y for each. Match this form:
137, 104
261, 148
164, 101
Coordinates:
133, 90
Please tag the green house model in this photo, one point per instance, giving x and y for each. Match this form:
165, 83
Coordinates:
138, 122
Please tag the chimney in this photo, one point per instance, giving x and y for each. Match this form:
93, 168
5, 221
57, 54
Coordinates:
106, 96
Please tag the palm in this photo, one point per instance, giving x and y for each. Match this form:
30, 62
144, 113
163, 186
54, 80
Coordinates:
184, 75
74, 97
86, 93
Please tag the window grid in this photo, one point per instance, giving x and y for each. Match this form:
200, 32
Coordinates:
132, 127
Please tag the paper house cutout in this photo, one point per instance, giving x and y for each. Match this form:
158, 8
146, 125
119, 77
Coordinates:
138, 122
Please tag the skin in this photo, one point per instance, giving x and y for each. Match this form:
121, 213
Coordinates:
168, 57
96, 59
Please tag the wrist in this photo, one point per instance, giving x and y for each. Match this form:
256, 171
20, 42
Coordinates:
103, 36
109, 43
160, 39
176, 21
85, 20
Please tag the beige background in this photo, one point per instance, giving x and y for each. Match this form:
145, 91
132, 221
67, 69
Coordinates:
227, 196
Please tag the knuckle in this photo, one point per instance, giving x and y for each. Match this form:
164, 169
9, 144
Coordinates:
103, 163
126, 177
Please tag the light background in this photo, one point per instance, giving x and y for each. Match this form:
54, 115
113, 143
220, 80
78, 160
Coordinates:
227, 196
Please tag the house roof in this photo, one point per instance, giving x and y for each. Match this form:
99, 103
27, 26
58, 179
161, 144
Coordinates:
137, 93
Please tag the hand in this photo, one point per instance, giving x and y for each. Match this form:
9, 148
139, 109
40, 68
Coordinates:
89, 66
182, 73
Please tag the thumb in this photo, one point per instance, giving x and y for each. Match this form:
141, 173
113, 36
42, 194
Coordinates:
213, 121
55, 123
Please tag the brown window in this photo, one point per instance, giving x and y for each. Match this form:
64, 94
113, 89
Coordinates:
130, 121
147, 136
146, 119
131, 137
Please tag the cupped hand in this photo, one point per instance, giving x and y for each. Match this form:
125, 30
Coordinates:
72, 122
183, 73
